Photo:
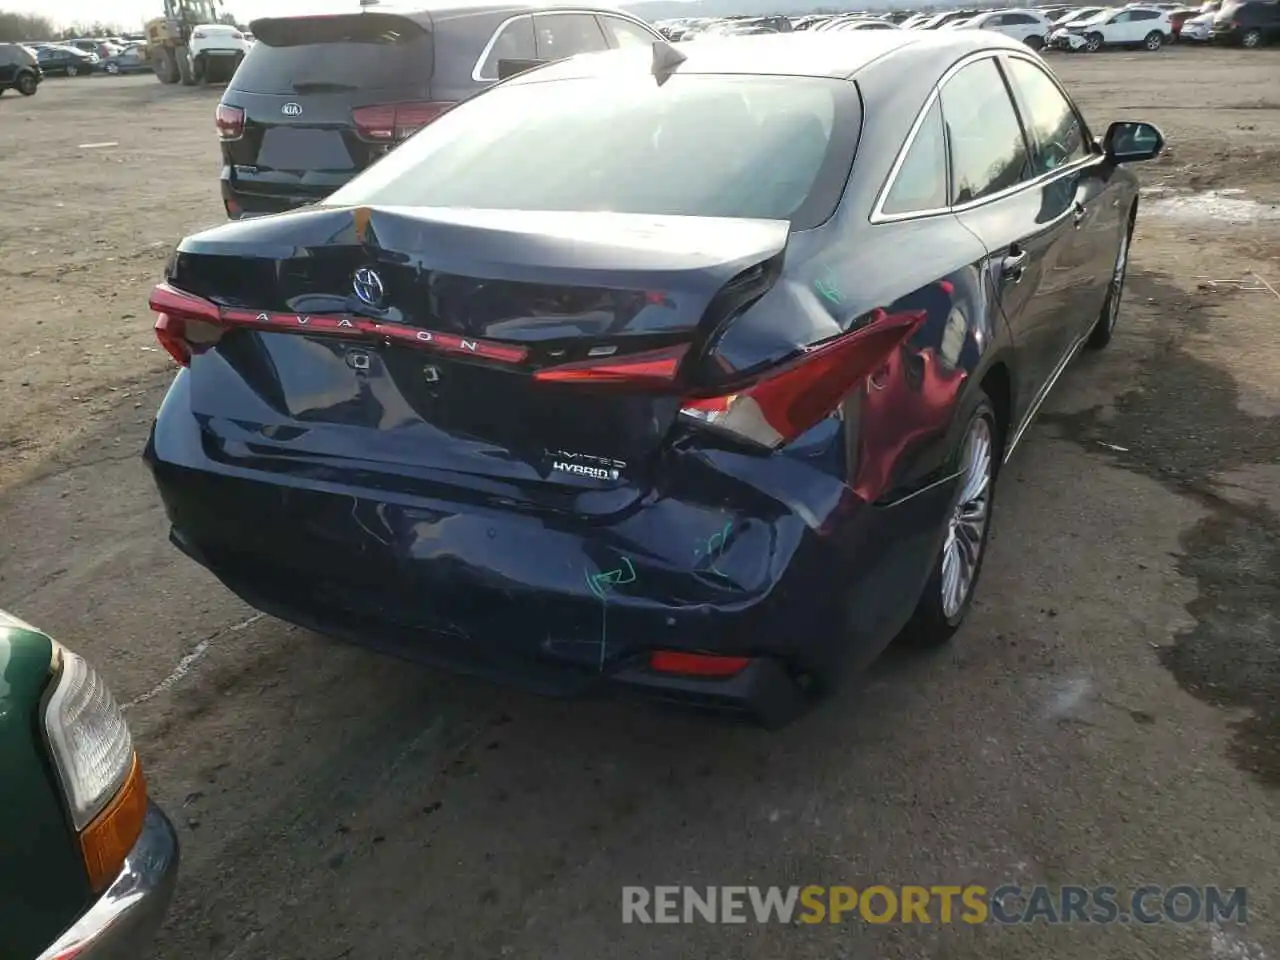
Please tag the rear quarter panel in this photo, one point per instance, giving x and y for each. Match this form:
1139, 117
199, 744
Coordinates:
43, 886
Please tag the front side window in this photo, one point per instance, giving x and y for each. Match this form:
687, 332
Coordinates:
988, 151
514, 42
921, 183
625, 33
1056, 132
562, 35
696, 145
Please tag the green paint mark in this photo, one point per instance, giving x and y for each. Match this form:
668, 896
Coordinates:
828, 288
601, 583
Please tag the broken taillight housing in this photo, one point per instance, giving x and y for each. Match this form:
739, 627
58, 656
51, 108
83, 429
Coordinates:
229, 122
785, 401
393, 122
185, 324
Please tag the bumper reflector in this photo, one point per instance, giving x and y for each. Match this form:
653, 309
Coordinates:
696, 664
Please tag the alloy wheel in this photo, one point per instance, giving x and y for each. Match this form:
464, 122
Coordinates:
1093, 44
1117, 281
966, 530
1252, 39
1153, 42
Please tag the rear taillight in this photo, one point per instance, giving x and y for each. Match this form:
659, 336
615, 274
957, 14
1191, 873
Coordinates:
229, 122
654, 369
237, 35
198, 35
185, 324
786, 401
393, 122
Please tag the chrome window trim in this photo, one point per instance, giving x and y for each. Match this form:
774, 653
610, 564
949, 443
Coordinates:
550, 11
877, 211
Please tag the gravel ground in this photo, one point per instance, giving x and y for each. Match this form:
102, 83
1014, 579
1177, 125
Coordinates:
1109, 715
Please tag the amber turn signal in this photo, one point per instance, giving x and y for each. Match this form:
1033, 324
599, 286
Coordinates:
109, 837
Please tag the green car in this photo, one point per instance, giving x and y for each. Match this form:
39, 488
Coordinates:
87, 861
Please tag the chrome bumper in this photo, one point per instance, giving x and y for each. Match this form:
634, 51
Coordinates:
126, 917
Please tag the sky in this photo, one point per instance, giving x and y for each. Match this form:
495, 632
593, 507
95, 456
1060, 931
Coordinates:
131, 14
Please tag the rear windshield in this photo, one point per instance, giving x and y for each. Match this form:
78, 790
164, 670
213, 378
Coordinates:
332, 54
714, 146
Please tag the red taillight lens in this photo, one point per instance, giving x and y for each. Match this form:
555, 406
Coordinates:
229, 122
185, 324
787, 400
653, 369
696, 664
393, 122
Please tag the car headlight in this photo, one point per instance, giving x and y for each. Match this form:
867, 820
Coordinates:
88, 737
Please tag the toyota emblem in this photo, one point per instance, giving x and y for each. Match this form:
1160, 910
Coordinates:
368, 287
292, 109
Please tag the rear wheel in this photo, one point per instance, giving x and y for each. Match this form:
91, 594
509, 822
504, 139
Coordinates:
166, 66
1154, 40
1035, 43
112, 68
1093, 42
1252, 38
1100, 336
949, 592
27, 84
72, 70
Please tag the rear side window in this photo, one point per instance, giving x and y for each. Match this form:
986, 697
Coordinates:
365, 51
770, 147
1144, 15
921, 183
988, 151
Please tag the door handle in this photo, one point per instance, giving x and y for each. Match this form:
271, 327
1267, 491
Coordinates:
1013, 266
1077, 216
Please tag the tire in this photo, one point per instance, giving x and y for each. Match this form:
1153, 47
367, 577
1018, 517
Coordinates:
1153, 40
200, 67
186, 69
166, 66
112, 68
1093, 42
1105, 326
72, 70
1252, 39
945, 601
1035, 43
27, 84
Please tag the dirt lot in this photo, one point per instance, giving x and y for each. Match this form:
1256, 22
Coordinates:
1108, 716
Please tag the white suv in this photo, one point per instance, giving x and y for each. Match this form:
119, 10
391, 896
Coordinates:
1132, 26
1030, 26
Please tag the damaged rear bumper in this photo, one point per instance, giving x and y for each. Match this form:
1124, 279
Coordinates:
800, 587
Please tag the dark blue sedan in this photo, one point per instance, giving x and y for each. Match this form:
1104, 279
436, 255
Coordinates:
132, 59
628, 373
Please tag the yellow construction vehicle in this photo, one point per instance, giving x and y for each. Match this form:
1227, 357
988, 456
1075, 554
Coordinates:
170, 40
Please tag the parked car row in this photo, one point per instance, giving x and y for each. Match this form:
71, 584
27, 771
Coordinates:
1248, 23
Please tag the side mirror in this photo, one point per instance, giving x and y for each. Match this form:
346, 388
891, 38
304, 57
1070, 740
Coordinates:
1127, 141
509, 68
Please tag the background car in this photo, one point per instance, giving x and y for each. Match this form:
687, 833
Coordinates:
589, 383
1133, 26
1027, 26
131, 59
216, 51
1252, 23
19, 69
318, 99
57, 60
87, 861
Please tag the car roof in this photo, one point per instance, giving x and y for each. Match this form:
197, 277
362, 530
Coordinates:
802, 54
426, 14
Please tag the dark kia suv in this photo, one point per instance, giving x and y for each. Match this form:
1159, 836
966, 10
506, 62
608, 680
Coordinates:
1252, 23
320, 98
